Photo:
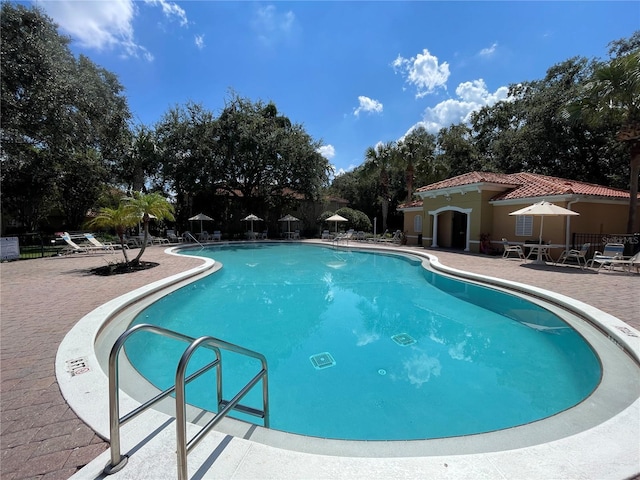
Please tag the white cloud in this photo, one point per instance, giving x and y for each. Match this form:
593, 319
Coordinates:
488, 52
327, 151
199, 40
368, 105
471, 97
423, 72
106, 25
170, 10
271, 25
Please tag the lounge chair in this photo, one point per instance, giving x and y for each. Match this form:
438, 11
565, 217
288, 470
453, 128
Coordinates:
578, 255
97, 243
509, 249
73, 247
173, 238
395, 238
611, 251
344, 236
626, 263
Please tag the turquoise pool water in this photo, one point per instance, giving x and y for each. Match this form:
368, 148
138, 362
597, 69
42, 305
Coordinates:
368, 346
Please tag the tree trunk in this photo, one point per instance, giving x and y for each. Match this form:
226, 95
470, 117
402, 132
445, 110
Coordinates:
633, 187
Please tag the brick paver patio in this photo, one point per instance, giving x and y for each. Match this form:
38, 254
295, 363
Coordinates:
40, 300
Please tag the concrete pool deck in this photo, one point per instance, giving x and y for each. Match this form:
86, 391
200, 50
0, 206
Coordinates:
42, 437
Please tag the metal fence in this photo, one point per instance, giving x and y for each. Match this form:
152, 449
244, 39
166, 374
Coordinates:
38, 245
599, 240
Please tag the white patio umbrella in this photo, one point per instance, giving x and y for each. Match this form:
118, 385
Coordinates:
336, 218
251, 218
544, 209
202, 217
288, 218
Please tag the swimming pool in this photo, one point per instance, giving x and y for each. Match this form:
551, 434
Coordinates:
372, 347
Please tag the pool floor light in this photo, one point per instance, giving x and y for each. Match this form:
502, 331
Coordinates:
322, 360
403, 339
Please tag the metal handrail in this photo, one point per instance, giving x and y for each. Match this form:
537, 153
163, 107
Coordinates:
118, 461
189, 234
184, 446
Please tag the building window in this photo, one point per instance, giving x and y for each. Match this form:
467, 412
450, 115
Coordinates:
417, 224
524, 225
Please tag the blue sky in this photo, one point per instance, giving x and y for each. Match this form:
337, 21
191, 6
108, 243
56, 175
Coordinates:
353, 73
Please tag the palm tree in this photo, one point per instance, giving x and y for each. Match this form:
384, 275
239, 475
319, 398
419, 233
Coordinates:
613, 94
143, 206
117, 218
378, 161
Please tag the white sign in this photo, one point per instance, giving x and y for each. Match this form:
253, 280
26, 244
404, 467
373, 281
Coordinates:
9, 248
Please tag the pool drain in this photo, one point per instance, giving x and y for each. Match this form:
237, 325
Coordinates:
322, 360
403, 339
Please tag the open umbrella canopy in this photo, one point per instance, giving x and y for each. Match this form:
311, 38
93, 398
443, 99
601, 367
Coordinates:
544, 209
201, 217
251, 218
336, 218
288, 218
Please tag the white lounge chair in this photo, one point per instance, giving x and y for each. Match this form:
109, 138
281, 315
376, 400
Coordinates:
344, 237
509, 249
611, 251
97, 243
73, 247
578, 255
626, 263
173, 238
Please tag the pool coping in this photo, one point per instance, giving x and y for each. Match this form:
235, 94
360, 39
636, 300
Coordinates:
583, 455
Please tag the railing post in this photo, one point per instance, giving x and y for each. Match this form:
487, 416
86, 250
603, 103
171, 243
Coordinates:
117, 460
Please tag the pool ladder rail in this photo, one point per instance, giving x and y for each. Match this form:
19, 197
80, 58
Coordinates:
184, 446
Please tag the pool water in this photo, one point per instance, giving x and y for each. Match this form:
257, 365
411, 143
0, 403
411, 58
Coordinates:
368, 346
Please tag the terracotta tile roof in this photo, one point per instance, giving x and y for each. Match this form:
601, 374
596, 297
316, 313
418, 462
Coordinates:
527, 185
412, 204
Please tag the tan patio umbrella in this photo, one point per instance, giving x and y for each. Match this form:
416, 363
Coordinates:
336, 218
251, 218
288, 218
544, 209
202, 217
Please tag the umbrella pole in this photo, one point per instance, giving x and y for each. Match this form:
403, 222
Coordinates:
539, 257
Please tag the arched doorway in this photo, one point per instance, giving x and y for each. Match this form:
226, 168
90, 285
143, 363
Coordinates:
451, 227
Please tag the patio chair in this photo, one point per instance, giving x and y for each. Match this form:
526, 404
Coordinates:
173, 238
577, 255
344, 236
106, 246
73, 247
326, 235
611, 251
626, 263
509, 249
217, 236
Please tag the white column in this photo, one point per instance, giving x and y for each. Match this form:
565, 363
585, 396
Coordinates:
468, 239
434, 240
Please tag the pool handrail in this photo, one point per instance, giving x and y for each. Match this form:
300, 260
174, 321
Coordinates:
118, 461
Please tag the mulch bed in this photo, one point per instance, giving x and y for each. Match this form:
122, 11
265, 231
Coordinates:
122, 268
